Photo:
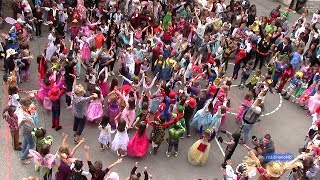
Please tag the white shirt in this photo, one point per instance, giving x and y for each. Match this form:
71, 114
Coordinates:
106, 130
230, 173
315, 18
14, 100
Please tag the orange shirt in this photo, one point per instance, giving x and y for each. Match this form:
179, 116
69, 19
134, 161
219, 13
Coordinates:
99, 40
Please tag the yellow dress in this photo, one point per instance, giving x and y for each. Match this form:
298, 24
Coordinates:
197, 157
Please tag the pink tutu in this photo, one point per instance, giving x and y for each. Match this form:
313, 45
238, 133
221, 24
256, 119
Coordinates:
94, 111
138, 145
47, 103
85, 52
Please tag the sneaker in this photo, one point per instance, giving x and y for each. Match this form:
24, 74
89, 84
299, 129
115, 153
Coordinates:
176, 154
50, 22
188, 135
109, 74
168, 154
25, 162
45, 23
53, 126
182, 137
69, 107
112, 73
78, 77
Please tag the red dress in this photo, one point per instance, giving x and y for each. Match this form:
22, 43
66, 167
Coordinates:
138, 145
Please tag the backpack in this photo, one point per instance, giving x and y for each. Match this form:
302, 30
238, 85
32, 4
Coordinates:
248, 115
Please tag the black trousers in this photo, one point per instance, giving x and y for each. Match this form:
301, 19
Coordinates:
38, 28
259, 59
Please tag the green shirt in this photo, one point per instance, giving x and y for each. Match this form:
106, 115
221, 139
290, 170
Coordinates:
175, 133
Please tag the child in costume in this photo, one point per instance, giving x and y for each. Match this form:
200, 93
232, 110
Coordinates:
158, 132
129, 112
45, 161
95, 109
302, 89
12, 120
245, 74
217, 117
139, 143
66, 158
203, 116
105, 133
246, 103
175, 133
121, 139
54, 95
95, 169
113, 108
13, 96
199, 152
39, 135
76, 171
294, 84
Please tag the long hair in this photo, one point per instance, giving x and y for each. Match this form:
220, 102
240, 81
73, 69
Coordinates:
142, 128
121, 125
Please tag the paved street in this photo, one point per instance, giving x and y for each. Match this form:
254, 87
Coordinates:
286, 122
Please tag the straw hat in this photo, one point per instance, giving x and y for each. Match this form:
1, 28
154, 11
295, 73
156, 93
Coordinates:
79, 89
10, 52
274, 169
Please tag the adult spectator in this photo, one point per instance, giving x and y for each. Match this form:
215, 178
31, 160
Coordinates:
80, 104
285, 47
250, 118
26, 123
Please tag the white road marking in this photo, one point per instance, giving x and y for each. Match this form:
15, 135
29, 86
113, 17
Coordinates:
266, 114
220, 147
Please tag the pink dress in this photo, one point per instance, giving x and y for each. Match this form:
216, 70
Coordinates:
314, 102
138, 145
94, 110
304, 98
130, 114
85, 52
242, 110
85, 31
104, 88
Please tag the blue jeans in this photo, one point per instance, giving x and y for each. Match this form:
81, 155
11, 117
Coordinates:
246, 132
28, 143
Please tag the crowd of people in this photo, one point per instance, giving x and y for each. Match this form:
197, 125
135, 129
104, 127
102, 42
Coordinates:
155, 48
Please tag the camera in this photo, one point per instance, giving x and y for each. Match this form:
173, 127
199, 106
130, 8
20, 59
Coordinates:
254, 138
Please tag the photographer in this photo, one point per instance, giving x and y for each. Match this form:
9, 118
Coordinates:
250, 117
264, 145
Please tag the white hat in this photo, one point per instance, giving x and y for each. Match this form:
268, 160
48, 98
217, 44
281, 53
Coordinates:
10, 52
113, 176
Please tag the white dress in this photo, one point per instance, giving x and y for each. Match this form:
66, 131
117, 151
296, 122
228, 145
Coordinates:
120, 141
105, 134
